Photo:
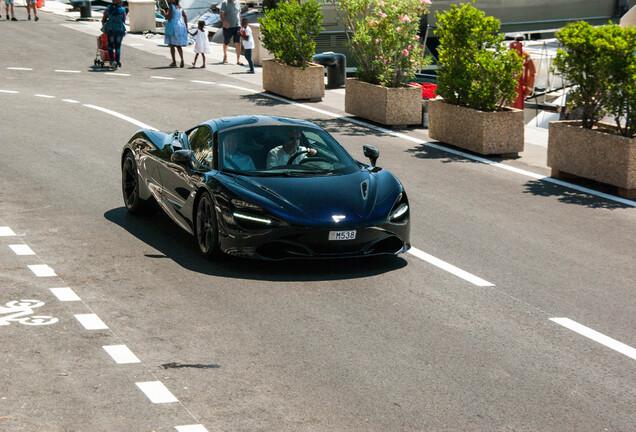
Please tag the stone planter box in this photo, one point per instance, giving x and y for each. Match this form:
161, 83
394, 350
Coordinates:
483, 132
294, 82
592, 154
400, 106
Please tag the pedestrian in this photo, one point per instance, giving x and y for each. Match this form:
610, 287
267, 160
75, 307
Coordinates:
248, 42
8, 4
231, 18
31, 4
201, 42
114, 26
176, 33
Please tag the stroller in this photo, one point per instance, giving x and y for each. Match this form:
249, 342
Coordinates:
101, 57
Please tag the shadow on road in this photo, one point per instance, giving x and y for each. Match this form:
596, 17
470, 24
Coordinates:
159, 232
571, 196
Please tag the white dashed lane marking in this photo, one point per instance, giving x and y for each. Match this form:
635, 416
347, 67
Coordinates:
21, 249
42, 270
596, 336
156, 392
161, 77
68, 71
5, 231
91, 322
44, 96
449, 268
9, 91
70, 101
65, 294
20, 68
117, 74
191, 428
202, 82
121, 354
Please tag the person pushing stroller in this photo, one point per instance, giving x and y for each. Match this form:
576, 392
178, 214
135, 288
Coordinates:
115, 28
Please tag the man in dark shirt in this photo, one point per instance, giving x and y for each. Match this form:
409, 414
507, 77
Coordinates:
231, 18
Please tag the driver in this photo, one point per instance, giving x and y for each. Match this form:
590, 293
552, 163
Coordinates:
233, 158
281, 154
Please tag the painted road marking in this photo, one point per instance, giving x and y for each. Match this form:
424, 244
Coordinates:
20, 68
42, 270
191, 428
21, 311
117, 74
44, 96
21, 249
5, 231
449, 268
596, 336
156, 392
202, 82
91, 322
67, 71
121, 116
70, 100
121, 354
162, 77
65, 294
9, 91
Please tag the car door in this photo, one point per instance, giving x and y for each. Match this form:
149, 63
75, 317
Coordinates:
180, 180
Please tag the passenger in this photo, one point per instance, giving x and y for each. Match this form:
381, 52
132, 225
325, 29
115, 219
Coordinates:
233, 158
281, 154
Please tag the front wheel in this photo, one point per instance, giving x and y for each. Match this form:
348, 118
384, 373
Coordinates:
206, 230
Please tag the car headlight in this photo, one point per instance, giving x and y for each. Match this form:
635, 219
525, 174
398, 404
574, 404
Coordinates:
400, 212
251, 216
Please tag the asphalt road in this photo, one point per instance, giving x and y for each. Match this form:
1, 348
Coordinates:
388, 344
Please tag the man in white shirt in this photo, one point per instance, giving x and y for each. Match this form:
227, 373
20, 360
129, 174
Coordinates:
281, 154
234, 159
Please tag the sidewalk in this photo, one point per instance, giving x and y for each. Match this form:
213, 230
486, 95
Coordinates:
533, 158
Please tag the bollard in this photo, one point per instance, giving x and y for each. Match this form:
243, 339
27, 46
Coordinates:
336, 64
85, 9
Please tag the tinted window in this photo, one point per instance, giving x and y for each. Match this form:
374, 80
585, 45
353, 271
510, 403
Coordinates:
202, 144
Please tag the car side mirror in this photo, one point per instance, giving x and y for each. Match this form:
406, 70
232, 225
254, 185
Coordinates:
181, 156
371, 152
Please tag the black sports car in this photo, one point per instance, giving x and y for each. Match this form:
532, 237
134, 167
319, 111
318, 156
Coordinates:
267, 187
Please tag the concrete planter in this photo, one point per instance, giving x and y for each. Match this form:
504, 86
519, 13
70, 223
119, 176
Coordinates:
592, 154
294, 82
483, 132
389, 106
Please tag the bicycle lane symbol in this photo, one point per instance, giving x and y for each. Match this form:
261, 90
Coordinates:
21, 312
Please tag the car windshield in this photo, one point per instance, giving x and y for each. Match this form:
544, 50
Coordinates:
289, 150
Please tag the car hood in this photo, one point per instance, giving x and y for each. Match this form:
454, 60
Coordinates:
352, 199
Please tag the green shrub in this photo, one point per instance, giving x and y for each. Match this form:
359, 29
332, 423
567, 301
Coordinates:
289, 31
600, 64
383, 37
475, 68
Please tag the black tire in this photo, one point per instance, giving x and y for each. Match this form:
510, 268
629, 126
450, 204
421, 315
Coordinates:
130, 187
206, 232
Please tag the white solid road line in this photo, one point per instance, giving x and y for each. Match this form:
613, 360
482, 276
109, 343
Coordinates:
65, 294
5, 231
191, 428
121, 116
596, 336
21, 249
91, 322
156, 392
42, 270
449, 268
121, 354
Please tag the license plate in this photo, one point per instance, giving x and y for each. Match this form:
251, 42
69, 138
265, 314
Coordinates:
342, 235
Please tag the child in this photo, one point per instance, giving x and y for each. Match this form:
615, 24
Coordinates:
201, 43
248, 42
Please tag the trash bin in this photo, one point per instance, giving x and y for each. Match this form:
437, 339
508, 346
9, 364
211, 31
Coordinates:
336, 64
142, 16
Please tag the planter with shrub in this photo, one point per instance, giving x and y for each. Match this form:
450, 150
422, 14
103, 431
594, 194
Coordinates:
387, 50
600, 63
289, 31
477, 78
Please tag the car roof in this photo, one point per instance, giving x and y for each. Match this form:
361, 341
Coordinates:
223, 123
